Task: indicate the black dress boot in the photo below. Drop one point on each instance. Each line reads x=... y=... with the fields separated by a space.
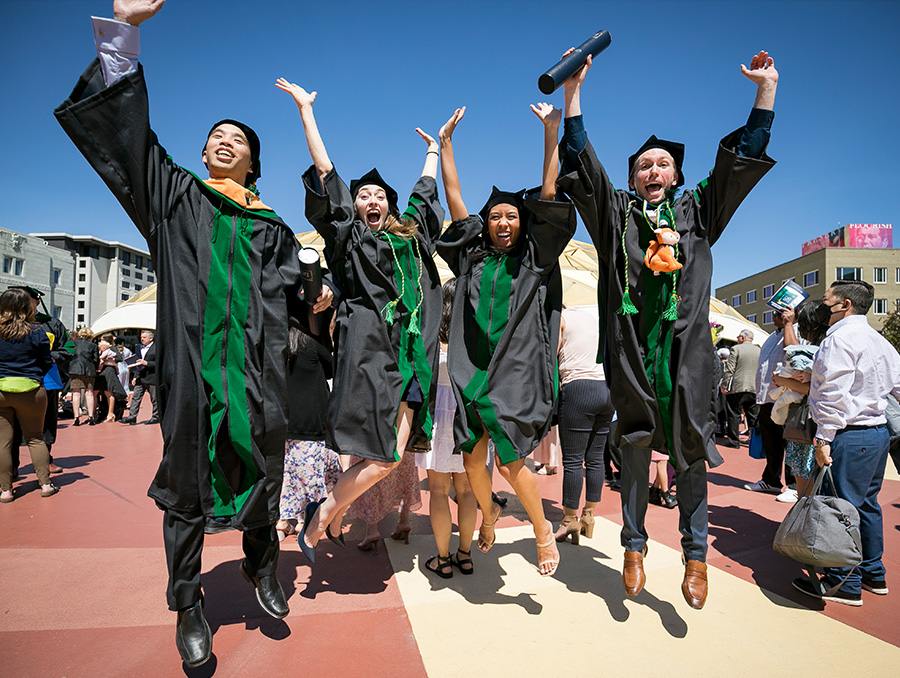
x=269 y=593
x=192 y=635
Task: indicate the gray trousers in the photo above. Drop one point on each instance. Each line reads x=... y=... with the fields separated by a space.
x=137 y=395
x=690 y=490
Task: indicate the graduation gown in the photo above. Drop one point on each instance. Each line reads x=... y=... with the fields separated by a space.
x=228 y=280
x=660 y=372
x=377 y=356
x=504 y=329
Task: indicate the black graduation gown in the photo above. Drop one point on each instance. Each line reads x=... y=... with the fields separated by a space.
x=370 y=375
x=504 y=329
x=228 y=280
x=700 y=217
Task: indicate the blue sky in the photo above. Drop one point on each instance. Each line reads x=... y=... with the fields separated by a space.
x=384 y=68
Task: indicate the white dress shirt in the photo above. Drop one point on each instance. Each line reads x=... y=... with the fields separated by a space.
x=118 y=47
x=854 y=371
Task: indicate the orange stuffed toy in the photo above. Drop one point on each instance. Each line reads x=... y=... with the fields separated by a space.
x=660 y=256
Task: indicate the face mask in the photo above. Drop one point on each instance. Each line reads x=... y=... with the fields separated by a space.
x=824 y=312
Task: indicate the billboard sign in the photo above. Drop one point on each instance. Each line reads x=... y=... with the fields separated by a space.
x=871 y=236
x=832 y=239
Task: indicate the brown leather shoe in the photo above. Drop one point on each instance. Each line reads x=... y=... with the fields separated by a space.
x=694 y=586
x=633 y=576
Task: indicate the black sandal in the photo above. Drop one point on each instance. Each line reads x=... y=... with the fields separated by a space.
x=442 y=564
x=464 y=565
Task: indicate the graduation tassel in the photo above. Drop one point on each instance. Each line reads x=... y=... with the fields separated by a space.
x=627 y=307
x=387 y=313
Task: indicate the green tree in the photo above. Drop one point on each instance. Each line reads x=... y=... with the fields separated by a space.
x=891 y=329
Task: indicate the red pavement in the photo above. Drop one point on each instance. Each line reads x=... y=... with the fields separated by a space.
x=83 y=592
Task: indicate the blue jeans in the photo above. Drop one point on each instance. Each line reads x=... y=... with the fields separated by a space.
x=690 y=490
x=858 y=459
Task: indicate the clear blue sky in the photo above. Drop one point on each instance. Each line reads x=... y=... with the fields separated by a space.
x=384 y=68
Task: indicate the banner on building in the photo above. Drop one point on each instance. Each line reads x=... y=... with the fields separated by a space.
x=832 y=239
x=871 y=236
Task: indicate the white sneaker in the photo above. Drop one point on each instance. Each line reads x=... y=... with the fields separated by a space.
x=789 y=496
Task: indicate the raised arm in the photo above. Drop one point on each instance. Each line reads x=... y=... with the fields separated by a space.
x=572 y=87
x=448 y=167
x=304 y=101
x=135 y=12
x=550 y=117
x=431 y=155
x=762 y=72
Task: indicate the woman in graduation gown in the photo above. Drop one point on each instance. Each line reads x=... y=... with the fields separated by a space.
x=386 y=335
x=504 y=329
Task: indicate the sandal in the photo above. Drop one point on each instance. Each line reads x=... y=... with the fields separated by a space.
x=483 y=544
x=464 y=565
x=284 y=531
x=444 y=567
x=553 y=560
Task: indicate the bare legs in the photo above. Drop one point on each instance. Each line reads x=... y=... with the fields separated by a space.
x=356 y=480
x=439 y=510
x=88 y=401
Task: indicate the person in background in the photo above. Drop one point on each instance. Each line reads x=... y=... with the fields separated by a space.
x=143 y=380
x=82 y=373
x=739 y=386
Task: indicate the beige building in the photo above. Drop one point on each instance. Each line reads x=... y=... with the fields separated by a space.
x=815 y=272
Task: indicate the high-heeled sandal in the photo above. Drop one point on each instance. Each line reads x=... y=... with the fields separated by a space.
x=338 y=540
x=369 y=544
x=401 y=535
x=569 y=527
x=464 y=565
x=554 y=554
x=442 y=565
x=587 y=522
x=284 y=532
x=483 y=544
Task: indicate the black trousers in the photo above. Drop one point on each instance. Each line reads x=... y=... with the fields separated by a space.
x=585 y=411
x=183 y=537
x=734 y=404
x=773 y=443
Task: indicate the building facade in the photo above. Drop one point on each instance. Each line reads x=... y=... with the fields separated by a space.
x=30 y=260
x=106 y=273
x=814 y=273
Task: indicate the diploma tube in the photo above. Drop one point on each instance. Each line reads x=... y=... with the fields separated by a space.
x=311 y=273
x=550 y=81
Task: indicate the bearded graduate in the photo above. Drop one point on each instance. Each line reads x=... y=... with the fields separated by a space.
x=659 y=355
x=504 y=329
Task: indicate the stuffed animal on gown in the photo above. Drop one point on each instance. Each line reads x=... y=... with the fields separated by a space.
x=660 y=255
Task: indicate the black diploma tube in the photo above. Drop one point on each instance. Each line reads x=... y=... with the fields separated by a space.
x=550 y=81
x=311 y=272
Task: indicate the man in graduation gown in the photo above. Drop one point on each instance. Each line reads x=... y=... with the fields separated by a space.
x=229 y=280
x=659 y=354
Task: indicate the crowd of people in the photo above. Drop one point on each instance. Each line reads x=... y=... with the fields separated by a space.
x=459 y=381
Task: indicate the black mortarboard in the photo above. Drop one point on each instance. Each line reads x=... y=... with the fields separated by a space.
x=675 y=149
x=499 y=197
x=373 y=178
x=252 y=139
x=33 y=293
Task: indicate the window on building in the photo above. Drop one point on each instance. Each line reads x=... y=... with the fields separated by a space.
x=811 y=278
x=897 y=279
x=124 y=297
x=13 y=266
x=126 y=272
x=880 y=306
x=736 y=300
x=57 y=311
x=150 y=278
x=752 y=317
x=150 y=265
x=126 y=258
x=751 y=296
x=80 y=304
x=82 y=263
x=848 y=274
x=879 y=275
x=94 y=252
x=82 y=277
x=138 y=276
x=126 y=285
x=80 y=290
x=138 y=261
x=767 y=318
x=57 y=275
x=80 y=317
x=768 y=291
x=138 y=288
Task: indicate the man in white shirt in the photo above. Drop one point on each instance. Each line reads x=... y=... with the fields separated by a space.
x=854 y=371
x=772 y=434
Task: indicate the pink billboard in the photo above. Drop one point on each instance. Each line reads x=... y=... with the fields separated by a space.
x=832 y=239
x=872 y=236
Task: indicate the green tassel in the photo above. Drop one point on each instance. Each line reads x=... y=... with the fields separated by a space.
x=627 y=308
x=388 y=312
x=414 y=329
x=671 y=312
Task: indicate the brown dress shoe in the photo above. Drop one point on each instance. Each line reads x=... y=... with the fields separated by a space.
x=694 y=586
x=633 y=572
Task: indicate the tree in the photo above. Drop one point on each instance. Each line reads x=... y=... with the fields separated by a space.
x=891 y=329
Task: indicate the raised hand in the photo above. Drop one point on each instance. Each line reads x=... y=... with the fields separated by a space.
x=548 y=115
x=577 y=79
x=302 y=98
x=446 y=131
x=135 y=12
x=432 y=144
x=762 y=69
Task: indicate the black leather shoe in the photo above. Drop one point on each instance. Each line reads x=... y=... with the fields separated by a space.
x=192 y=635
x=152 y=421
x=127 y=420
x=268 y=593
